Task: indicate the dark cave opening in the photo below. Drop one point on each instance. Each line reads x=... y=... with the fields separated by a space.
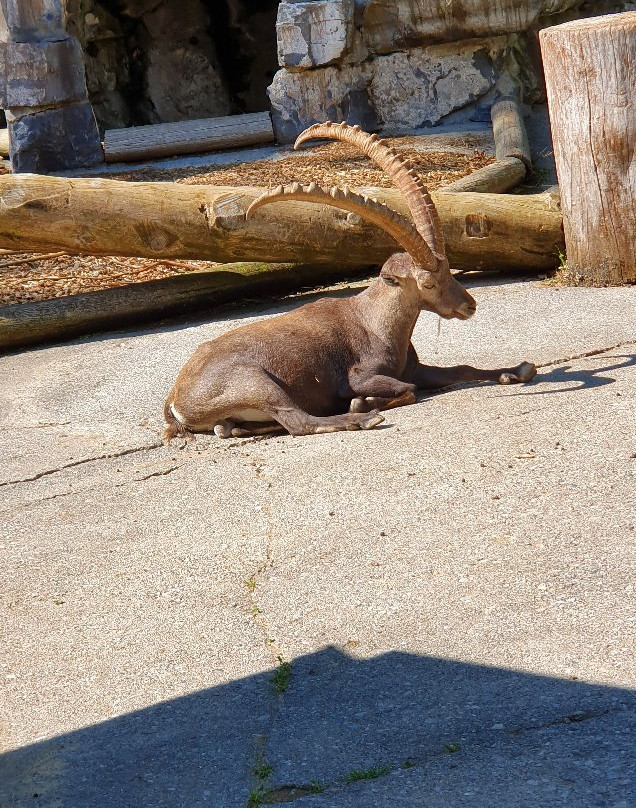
x=153 y=61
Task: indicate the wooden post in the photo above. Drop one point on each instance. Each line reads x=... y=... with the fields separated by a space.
x=509 y=131
x=590 y=71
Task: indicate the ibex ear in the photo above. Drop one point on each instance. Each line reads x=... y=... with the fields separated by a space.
x=396 y=267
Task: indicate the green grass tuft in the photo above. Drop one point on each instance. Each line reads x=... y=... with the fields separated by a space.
x=281 y=676
x=366 y=774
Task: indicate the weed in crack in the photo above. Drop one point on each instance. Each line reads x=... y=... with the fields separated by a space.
x=365 y=774
x=255 y=797
x=281 y=677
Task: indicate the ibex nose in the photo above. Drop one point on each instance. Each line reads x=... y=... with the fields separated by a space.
x=467 y=307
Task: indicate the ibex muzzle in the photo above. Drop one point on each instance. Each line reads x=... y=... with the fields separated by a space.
x=333 y=364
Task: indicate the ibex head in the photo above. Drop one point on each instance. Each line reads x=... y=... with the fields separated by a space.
x=422 y=271
x=436 y=291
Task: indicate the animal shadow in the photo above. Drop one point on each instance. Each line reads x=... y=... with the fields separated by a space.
x=564 y=375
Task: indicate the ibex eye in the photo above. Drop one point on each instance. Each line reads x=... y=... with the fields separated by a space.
x=390 y=281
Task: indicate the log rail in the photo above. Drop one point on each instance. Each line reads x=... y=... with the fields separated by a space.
x=172 y=220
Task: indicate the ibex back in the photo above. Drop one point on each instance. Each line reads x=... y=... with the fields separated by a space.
x=333 y=364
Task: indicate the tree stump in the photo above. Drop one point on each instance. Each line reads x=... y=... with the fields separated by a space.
x=590 y=71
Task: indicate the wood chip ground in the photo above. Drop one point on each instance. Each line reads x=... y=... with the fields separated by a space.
x=28 y=277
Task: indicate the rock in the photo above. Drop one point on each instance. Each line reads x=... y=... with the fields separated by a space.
x=313 y=34
x=180 y=46
x=301 y=99
x=38 y=74
x=33 y=20
x=55 y=139
x=400 y=91
x=202 y=92
x=423 y=85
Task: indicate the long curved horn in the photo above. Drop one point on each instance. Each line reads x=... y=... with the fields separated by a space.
x=401 y=173
x=393 y=223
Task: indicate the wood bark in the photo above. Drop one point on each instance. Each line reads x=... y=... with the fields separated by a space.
x=509 y=131
x=496 y=178
x=32 y=323
x=590 y=70
x=187 y=137
x=172 y=220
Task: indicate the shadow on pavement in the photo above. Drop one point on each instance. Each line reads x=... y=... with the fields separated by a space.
x=440 y=733
x=566 y=374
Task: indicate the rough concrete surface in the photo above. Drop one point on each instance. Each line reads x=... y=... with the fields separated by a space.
x=453 y=590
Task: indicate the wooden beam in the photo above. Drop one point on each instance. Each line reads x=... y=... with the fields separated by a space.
x=173 y=220
x=187 y=137
x=511 y=138
x=4 y=142
x=496 y=178
x=48 y=320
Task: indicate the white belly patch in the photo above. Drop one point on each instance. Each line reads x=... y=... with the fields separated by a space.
x=177 y=415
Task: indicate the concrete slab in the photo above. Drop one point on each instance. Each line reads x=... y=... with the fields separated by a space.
x=462 y=577
x=104 y=395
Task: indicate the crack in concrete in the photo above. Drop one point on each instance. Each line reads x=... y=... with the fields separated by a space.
x=108 y=456
x=573 y=718
x=162 y=473
x=244 y=442
x=596 y=352
x=287 y=792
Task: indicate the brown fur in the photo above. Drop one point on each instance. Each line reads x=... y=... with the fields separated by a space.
x=315 y=369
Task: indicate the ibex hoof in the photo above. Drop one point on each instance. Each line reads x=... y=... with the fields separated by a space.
x=522 y=373
x=371 y=419
x=224 y=429
x=358 y=405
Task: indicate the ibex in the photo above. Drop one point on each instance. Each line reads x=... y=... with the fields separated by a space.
x=333 y=364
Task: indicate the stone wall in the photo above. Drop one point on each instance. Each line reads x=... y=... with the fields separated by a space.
x=43 y=89
x=402 y=64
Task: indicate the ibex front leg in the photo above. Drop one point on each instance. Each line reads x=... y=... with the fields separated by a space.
x=428 y=377
x=375 y=391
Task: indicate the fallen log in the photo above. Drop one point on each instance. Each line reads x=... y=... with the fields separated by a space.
x=172 y=220
x=50 y=320
x=509 y=131
x=187 y=137
x=496 y=178
x=511 y=150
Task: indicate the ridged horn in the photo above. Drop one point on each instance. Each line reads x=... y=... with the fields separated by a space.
x=376 y=212
x=402 y=175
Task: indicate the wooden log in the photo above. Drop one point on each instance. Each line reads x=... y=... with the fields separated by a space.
x=4 y=142
x=509 y=130
x=33 y=323
x=187 y=137
x=590 y=71
x=173 y=220
x=496 y=178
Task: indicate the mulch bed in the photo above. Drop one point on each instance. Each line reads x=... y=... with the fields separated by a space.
x=26 y=277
